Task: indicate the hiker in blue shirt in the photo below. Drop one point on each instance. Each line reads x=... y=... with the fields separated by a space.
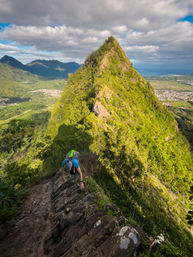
x=71 y=165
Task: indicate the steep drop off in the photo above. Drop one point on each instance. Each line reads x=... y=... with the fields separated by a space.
x=144 y=165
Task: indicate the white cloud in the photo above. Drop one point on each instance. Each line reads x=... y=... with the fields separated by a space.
x=148 y=30
x=94 y=13
x=7 y=47
x=89 y=40
x=120 y=29
x=116 y=5
x=68 y=42
x=143 y=22
x=143 y=49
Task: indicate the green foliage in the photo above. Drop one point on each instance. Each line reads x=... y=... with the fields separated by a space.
x=21 y=98
x=168 y=250
x=144 y=165
x=182 y=110
x=19 y=176
x=14 y=74
x=169 y=85
x=69 y=137
x=18 y=133
x=101 y=198
x=6 y=196
x=135 y=137
x=22 y=142
x=184 y=117
x=189 y=216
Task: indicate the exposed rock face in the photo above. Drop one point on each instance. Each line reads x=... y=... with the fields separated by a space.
x=100 y=110
x=60 y=220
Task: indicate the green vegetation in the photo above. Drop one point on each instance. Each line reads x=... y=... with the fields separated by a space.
x=23 y=123
x=107 y=108
x=181 y=110
x=184 y=117
x=183 y=79
x=145 y=165
x=99 y=194
x=6 y=199
x=50 y=69
x=20 y=91
x=189 y=216
x=20 y=143
x=14 y=74
x=170 y=85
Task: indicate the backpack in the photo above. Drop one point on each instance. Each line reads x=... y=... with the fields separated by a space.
x=68 y=166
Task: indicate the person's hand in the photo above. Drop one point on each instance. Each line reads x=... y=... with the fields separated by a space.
x=81 y=185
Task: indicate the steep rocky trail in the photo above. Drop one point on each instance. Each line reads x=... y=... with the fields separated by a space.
x=57 y=219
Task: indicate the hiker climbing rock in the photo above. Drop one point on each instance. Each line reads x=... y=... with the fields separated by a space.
x=71 y=166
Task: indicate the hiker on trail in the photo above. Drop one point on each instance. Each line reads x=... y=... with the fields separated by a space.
x=71 y=166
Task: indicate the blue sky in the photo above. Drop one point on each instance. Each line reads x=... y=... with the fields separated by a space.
x=3 y=26
x=188 y=18
x=156 y=35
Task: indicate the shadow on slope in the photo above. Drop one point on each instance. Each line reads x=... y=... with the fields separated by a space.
x=139 y=201
x=68 y=137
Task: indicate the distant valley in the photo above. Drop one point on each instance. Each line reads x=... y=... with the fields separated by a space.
x=22 y=93
x=171 y=89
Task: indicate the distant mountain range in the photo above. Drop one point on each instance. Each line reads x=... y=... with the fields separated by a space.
x=51 y=69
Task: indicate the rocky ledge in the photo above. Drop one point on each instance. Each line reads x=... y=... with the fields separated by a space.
x=58 y=219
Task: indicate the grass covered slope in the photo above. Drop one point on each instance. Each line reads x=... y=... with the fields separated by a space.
x=176 y=92
x=8 y=72
x=129 y=115
x=22 y=93
x=107 y=108
x=25 y=104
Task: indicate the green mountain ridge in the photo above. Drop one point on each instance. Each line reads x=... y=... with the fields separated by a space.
x=51 y=69
x=132 y=153
x=144 y=165
x=16 y=74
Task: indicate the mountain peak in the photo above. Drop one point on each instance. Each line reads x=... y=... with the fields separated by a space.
x=12 y=62
x=109 y=110
x=8 y=58
x=110 y=49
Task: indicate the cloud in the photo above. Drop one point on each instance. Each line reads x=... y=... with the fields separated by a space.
x=148 y=30
x=7 y=47
x=155 y=45
x=66 y=40
x=94 y=14
x=120 y=29
x=146 y=49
